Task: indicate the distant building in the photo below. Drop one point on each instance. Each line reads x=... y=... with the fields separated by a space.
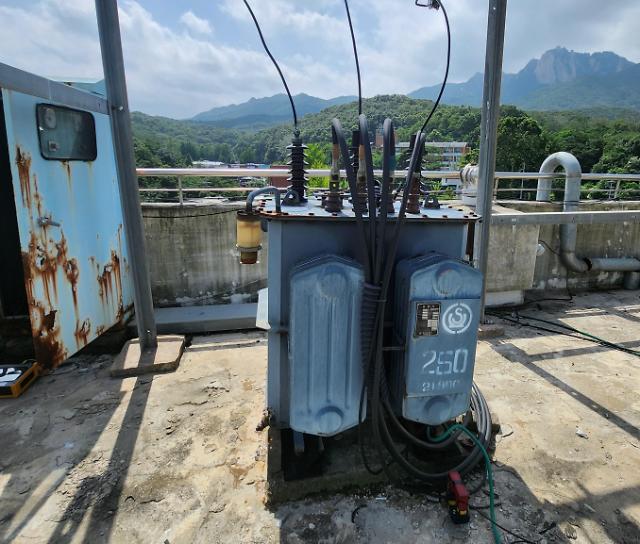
x=279 y=181
x=379 y=141
x=447 y=154
x=209 y=164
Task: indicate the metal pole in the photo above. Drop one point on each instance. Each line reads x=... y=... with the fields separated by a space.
x=488 y=132
x=113 y=65
x=180 y=195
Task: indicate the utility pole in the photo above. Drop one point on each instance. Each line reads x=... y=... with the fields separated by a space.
x=113 y=65
x=488 y=132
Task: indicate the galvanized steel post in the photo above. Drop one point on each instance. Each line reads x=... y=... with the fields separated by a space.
x=488 y=132
x=113 y=65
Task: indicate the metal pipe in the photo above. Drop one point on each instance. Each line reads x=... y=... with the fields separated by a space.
x=180 y=194
x=614 y=264
x=572 y=171
x=569 y=231
x=113 y=65
x=488 y=132
x=264 y=190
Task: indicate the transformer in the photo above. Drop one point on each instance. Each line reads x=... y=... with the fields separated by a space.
x=315 y=290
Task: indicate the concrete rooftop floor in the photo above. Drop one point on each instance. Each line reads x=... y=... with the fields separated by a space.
x=176 y=457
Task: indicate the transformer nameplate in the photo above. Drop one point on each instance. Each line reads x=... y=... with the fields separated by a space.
x=427 y=319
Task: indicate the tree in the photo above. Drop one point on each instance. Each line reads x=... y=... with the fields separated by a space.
x=318 y=157
x=522 y=144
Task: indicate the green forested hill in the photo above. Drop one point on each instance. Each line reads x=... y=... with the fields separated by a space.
x=601 y=138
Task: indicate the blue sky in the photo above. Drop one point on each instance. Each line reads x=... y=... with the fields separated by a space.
x=186 y=57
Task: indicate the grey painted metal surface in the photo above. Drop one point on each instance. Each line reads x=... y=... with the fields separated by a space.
x=314 y=211
x=69 y=217
x=113 y=63
x=489 y=128
x=14 y=79
x=436 y=317
x=560 y=218
x=292 y=242
x=325 y=361
x=569 y=231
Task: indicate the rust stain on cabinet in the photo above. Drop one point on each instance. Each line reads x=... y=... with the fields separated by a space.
x=44 y=258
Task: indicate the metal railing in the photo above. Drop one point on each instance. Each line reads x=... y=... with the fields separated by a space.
x=180 y=173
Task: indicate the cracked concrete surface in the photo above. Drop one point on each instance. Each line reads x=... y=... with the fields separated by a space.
x=177 y=458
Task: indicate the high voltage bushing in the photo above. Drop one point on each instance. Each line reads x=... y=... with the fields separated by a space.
x=297 y=179
x=333 y=199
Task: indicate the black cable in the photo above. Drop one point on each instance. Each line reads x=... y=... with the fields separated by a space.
x=566 y=330
x=355 y=54
x=338 y=136
x=519 y=537
x=437 y=4
x=275 y=63
x=588 y=336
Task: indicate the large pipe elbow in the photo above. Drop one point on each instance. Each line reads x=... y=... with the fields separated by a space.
x=568 y=232
x=573 y=263
x=573 y=173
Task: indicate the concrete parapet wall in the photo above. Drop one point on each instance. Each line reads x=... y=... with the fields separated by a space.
x=597 y=240
x=193 y=260
x=192 y=256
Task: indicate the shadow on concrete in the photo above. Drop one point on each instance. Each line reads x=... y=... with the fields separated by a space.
x=111 y=480
x=516 y=355
x=41 y=459
x=574 y=352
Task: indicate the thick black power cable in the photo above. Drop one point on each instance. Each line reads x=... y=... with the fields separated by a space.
x=371 y=190
x=437 y=4
x=338 y=137
x=355 y=55
x=381 y=408
x=275 y=63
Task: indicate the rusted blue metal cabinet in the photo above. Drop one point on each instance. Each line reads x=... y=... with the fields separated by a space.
x=61 y=171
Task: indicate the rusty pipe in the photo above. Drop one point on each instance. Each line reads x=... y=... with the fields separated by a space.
x=264 y=190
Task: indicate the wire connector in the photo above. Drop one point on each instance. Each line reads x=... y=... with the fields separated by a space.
x=431 y=4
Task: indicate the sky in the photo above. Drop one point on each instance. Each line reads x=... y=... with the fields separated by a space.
x=184 y=57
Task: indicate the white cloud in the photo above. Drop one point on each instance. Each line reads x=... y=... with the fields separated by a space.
x=177 y=69
x=195 y=24
x=168 y=72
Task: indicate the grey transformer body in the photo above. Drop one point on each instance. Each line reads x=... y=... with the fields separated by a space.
x=315 y=289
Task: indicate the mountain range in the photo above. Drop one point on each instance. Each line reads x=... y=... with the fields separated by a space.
x=559 y=80
x=260 y=112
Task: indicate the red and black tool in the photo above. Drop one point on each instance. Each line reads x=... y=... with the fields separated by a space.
x=457 y=498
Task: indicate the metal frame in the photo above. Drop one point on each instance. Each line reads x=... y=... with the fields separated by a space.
x=18 y=80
